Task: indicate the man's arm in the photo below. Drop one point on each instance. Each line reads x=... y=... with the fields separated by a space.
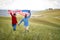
x=11 y=14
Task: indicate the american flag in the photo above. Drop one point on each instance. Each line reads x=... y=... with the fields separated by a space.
x=21 y=12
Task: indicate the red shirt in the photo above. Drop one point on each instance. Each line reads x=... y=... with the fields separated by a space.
x=14 y=19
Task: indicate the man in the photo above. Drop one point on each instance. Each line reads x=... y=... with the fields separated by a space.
x=14 y=21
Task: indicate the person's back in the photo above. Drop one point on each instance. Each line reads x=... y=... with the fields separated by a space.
x=26 y=23
x=14 y=19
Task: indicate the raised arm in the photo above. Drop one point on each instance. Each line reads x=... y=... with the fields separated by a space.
x=29 y=14
x=11 y=14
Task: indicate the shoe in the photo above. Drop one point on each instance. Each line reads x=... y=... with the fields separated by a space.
x=14 y=29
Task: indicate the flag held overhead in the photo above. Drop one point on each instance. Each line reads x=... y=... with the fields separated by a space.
x=21 y=12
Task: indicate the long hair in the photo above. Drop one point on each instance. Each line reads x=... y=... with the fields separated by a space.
x=25 y=15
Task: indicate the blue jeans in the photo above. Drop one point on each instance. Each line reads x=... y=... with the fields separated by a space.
x=14 y=26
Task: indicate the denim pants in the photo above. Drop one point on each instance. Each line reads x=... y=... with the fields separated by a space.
x=14 y=26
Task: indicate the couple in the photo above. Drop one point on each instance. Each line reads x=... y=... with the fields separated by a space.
x=14 y=21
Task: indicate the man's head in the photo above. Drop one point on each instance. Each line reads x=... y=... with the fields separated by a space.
x=14 y=14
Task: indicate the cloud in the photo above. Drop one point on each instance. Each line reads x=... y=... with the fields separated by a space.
x=30 y=4
x=55 y=3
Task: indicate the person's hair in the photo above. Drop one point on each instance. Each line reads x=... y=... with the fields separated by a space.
x=14 y=14
x=25 y=15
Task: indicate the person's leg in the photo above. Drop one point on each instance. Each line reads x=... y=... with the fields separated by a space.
x=14 y=27
x=26 y=28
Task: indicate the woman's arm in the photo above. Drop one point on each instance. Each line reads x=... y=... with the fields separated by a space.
x=20 y=22
x=29 y=14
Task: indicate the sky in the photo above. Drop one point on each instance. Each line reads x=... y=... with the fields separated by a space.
x=4 y=13
x=29 y=4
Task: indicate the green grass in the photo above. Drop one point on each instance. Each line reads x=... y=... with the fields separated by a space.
x=42 y=28
x=39 y=30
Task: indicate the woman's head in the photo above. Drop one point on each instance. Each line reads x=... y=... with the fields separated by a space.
x=25 y=15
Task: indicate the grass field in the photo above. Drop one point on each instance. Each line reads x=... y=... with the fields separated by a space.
x=41 y=28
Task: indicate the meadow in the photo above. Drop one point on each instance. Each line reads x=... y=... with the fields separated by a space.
x=46 y=27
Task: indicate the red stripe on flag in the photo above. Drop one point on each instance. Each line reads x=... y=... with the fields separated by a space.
x=19 y=11
x=11 y=11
